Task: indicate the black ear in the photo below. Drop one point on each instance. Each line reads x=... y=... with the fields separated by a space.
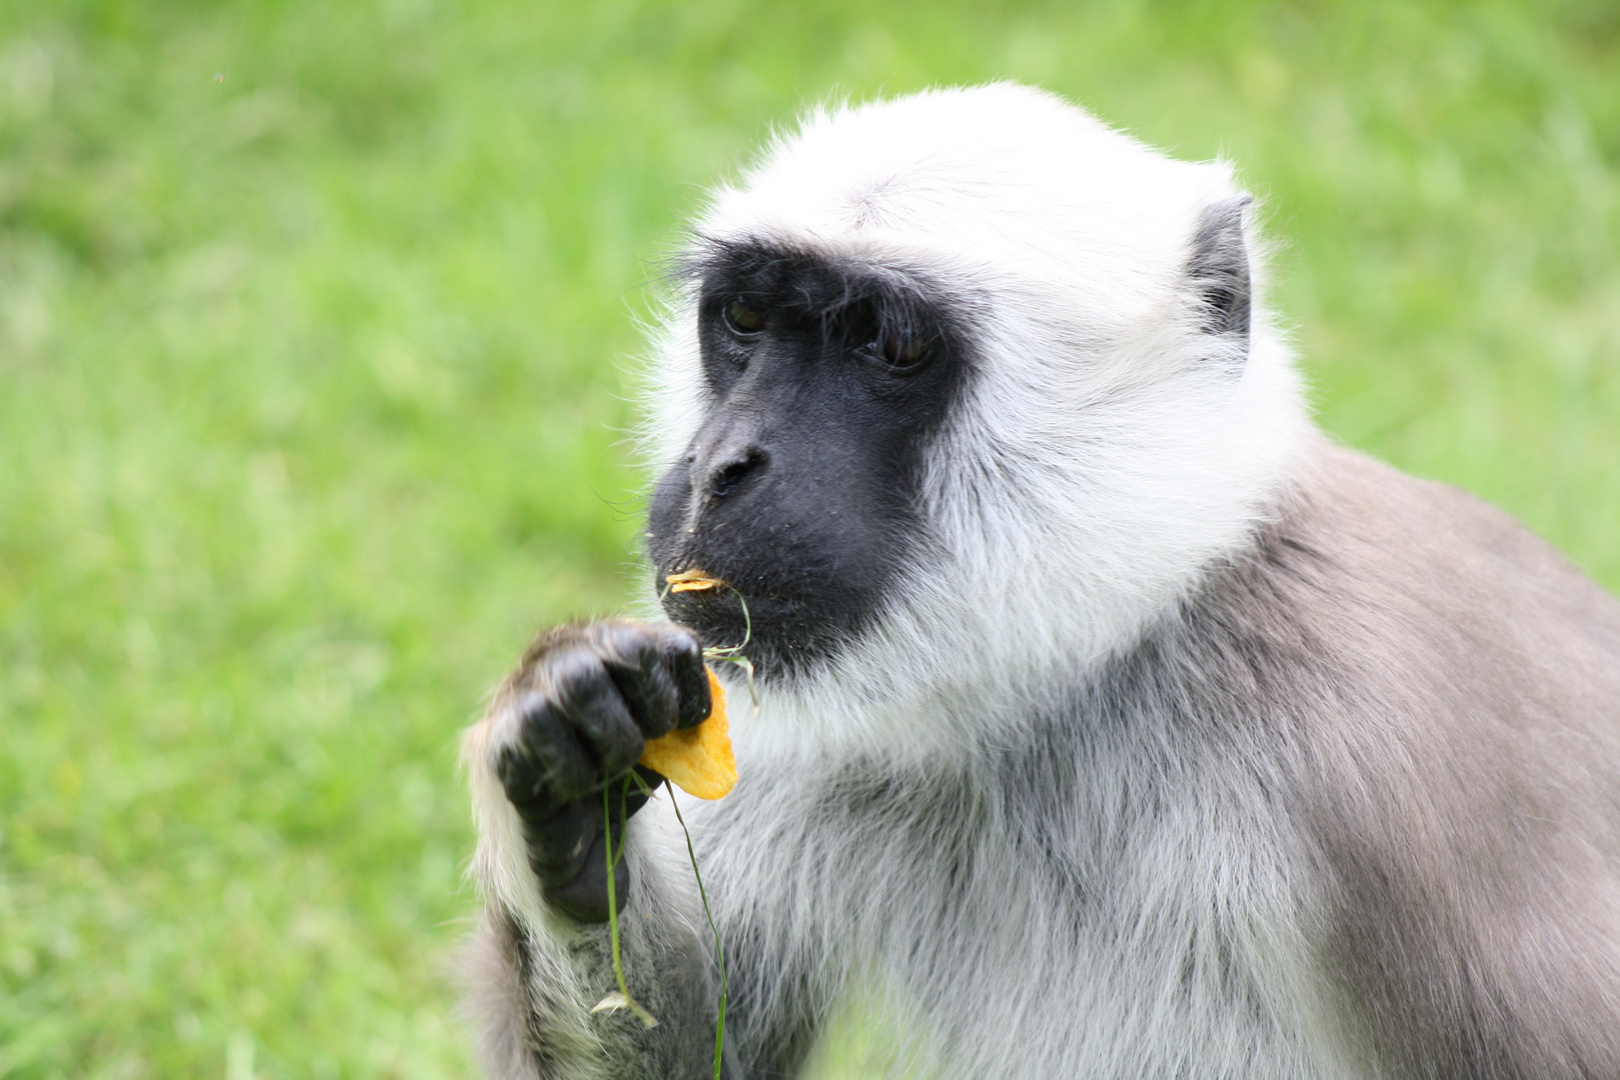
x=1219 y=268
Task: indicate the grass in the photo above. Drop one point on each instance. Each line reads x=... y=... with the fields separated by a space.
x=315 y=325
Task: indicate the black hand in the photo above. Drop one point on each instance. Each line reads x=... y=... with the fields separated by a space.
x=585 y=700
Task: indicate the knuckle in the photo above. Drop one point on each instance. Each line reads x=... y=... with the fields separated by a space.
x=621 y=637
x=539 y=724
x=523 y=777
x=579 y=709
x=539 y=760
x=681 y=643
x=570 y=673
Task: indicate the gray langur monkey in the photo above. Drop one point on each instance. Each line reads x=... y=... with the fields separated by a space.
x=1113 y=722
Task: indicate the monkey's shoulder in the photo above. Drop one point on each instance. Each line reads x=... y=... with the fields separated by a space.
x=1433 y=695
x=1380 y=569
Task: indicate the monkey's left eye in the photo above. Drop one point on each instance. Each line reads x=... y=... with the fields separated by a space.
x=901 y=355
x=743 y=320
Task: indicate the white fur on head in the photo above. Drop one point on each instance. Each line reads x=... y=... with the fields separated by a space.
x=1108 y=450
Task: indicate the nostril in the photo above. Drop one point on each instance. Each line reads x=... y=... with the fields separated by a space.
x=727 y=477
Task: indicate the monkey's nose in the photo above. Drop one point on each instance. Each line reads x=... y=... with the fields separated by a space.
x=728 y=471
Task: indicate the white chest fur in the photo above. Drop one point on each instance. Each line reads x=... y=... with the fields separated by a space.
x=1104 y=941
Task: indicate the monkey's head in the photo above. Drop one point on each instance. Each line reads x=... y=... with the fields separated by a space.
x=957 y=384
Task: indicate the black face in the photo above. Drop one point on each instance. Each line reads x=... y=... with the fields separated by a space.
x=828 y=379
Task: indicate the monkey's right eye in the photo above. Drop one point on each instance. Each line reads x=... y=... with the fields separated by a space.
x=743 y=320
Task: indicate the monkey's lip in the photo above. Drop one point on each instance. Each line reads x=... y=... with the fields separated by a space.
x=693 y=581
x=720 y=595
x=724 y=615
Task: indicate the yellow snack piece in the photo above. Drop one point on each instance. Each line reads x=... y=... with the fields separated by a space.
x=697 y=760
x=692 y=581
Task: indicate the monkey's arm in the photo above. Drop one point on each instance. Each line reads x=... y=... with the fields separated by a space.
x=571 y=719
x=535 y=973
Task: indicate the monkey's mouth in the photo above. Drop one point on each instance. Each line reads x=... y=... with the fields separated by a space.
x=766 y=624
x=721 y=619
x=723 y=615
x=692 y=581
x=779 y=599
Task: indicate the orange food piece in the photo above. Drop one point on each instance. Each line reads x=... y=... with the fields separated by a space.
x=698 y=760
x=692 y=581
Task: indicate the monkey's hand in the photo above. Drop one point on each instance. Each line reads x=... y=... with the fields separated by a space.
x=569 y=724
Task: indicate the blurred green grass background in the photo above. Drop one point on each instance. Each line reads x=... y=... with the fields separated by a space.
x=317 y=324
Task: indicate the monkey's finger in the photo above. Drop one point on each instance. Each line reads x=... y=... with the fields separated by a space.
x=678 y=655
x=685 y=660
x=636 y=656
x=649 y=776
x=590 y=701
x=545 y=764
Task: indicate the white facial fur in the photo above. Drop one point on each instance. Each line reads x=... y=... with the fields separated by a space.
x=1106 y=453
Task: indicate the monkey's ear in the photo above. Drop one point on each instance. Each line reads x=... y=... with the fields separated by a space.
x=1218 y=268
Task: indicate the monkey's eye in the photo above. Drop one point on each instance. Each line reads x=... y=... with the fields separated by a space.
x=743 y=320
x=901 y=355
